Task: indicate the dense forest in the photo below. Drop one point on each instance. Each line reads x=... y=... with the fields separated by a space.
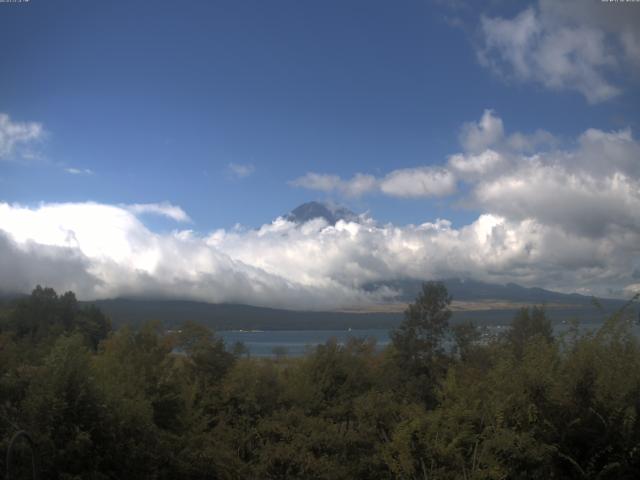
x=154 y=404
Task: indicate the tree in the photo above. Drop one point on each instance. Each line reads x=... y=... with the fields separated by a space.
x=528 y=324
x=465 y=336
x=426 y=321
x=63 y=412
x=93 y=324
x=44 y=315
x=418 y=341
x=208 y=358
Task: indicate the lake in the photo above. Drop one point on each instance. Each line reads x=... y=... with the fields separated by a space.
x=298 y=342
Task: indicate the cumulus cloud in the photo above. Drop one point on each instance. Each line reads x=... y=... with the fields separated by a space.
x=574 y=207
x=574 y=201
x=27 y=264
x=591 y=189
x=486 y=149
x=564 y=218
x=406 y=182
x=476 y=137
x=572 y=45
x=15 y=137
x=104 y=251
x=241 y=170
x=602 y=153
x=472 y=166
x=489 y=133
x=164 y=209
x=620 y=21
x=419 y=182
x=358 y=185
x=319 y=181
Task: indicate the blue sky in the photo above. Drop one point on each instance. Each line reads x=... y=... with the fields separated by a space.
x=158 y=99
x=224 y=108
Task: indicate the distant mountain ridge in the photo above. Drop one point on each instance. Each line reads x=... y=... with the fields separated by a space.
x=311 y=210
x=172 y=313
x=474 y=290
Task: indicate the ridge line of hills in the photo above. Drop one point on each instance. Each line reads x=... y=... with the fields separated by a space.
x=482 y=303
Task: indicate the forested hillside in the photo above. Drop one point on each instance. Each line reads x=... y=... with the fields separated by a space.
x=122 y=404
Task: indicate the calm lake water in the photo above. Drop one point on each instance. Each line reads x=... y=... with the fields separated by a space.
x=298 y=342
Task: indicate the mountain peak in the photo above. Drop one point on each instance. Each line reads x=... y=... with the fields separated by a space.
x=310 y=210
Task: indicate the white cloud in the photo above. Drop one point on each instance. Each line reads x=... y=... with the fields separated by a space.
x=558 y=45
x=574 y=201
x=318 y=181
x=528 y=143
x=602 y=153
x=358 y=185
x=486 y=148
x=165 y=209
x=632 y=289
x=419 y=182
x=592 y=189
x=241 y=170
x=26 y=264
x=476 y=137
x=407 y=182
x=472 y=166
x=575 y=208
x=618 y=21
x=105 y=251
x=15 y=136
x=78 y=171
x=488 y=135
x=560 y=218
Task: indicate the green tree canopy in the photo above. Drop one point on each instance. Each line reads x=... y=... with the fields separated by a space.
x=418 y=341
x=527 y=325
